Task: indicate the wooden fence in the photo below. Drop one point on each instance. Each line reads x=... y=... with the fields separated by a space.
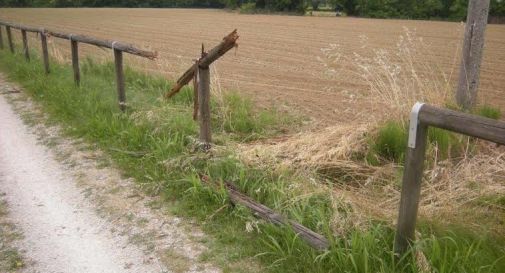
x=75 y=39
x=423 y=116
x=199 y=72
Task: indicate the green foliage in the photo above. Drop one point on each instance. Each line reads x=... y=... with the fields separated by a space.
x=162 y=131
x=248 y=8
x=489 y=112
x=415 y=9
x=389 y=143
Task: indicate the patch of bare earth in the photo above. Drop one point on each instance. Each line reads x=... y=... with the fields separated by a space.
x=76 y=212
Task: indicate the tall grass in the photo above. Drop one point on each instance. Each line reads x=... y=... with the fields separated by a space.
x=163 y=132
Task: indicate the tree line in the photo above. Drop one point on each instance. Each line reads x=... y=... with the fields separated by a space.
x=412 y=9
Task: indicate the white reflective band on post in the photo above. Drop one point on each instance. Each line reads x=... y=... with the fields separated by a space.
x=414 y=120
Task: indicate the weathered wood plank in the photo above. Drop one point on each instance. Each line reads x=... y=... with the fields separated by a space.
x=75 y=61
x=411 y=190
x=104 y=43
x=195 y=97
x=26 y=50
x=312 y=238
x=463 y=123
x=45 y=53
x=20 y=27
x=204 y=105
x=9 y=38
x=88 y=40
x=229 y=42
x=1 y=38
x=120 y=83
x=473 y=45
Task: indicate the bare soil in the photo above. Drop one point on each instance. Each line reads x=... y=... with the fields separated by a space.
x=276 y=62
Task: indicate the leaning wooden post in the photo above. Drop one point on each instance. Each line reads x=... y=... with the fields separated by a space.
x=9 y=38
x=26 y=50
x=1 y=38
x=204 y=103
x=118 y=60
x=45 y=53
x=473 y=44
x=411 y=185
x=75 y=61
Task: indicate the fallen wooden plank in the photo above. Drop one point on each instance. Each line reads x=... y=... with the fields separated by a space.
x=229 y=42
x=312 y=238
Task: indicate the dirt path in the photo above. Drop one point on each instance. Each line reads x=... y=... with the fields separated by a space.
x=78 y=217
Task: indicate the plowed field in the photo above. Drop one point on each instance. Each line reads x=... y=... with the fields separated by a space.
x=277 y=60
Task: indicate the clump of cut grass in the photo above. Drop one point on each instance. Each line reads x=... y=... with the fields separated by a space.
x=488 y=111
x=162 y=132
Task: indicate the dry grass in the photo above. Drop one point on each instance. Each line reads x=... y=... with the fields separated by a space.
x=396 y=80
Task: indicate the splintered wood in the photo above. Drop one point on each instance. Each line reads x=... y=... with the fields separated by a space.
x=229 y=42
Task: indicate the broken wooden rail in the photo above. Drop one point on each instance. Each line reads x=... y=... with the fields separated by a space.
x=315 y=240
x=421 y=117
x=199 y=72
x=117 y=47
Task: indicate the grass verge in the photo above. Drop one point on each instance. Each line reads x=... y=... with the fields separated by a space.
x=163 y=133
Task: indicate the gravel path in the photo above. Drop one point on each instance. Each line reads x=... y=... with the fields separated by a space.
x=78 y=217
x=62 y=233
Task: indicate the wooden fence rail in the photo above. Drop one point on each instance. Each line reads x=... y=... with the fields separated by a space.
x=117 y=47
x=421 y=118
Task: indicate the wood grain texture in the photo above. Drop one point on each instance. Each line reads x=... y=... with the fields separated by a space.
x=411 y=190
x=312 y=238
x=473 y=46
x=104 y=43
x=45 y=53
x=26 y=50
x=204 y=105
x=9 y=38
x=74 y=45
x=120 y=83
x=463 y=123
x=1 y=38
x=228 y=42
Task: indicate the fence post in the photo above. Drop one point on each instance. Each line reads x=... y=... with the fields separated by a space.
x=204 y=105
x=118 y=60
x=9 y=38
x=26 y=50
x=1 y=38
x=45 y=53
x=473 y=44
x=411 y=184
x=75 y=61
